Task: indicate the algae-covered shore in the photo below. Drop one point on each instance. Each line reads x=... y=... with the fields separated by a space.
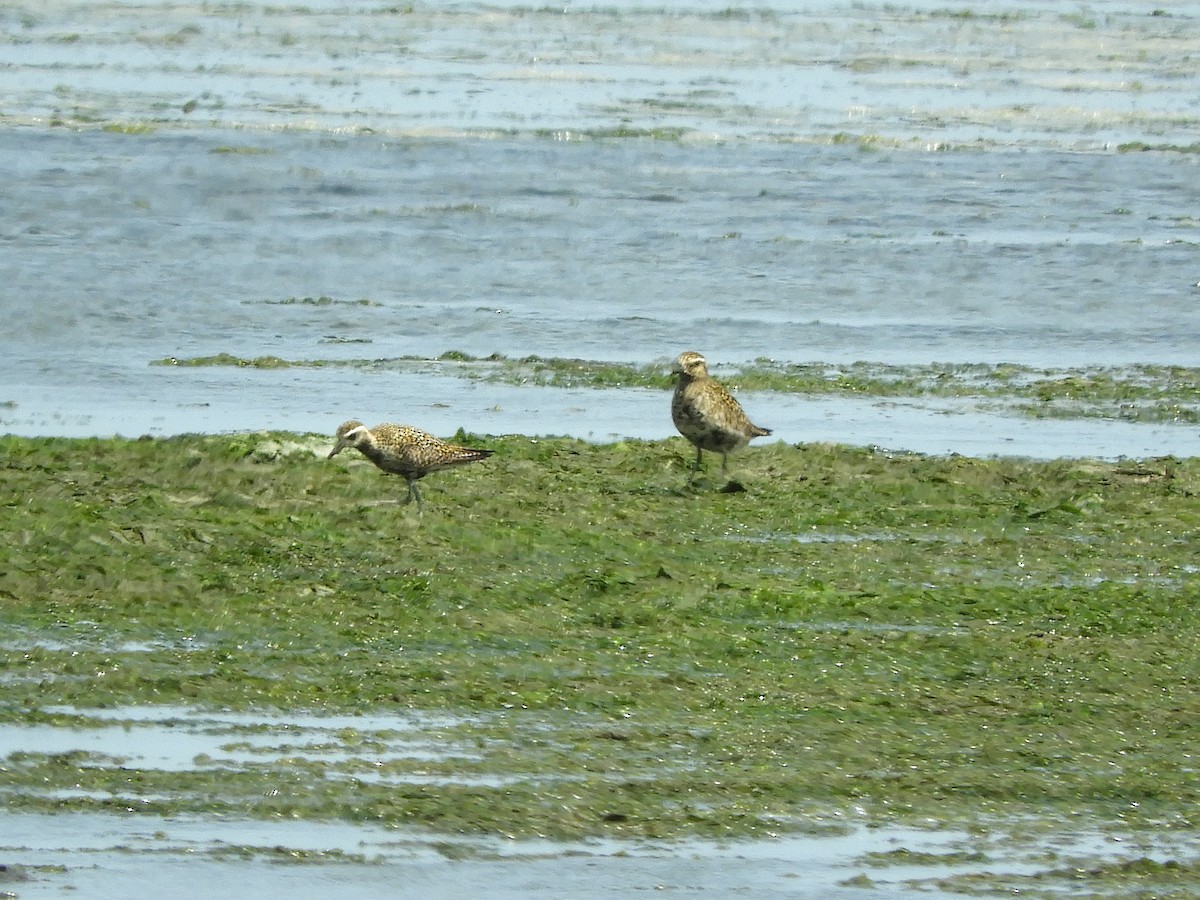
x=903 y=638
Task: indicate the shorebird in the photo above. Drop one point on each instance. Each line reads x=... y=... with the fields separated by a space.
x=706 y=413
x=404 y=450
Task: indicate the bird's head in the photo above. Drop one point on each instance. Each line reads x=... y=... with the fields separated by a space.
x=690 y=364
x=349 y=434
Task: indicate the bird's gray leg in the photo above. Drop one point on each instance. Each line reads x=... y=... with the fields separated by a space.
x=696 y=467
x=414 y=492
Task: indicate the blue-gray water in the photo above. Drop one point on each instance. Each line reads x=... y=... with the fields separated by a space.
x=808 y=183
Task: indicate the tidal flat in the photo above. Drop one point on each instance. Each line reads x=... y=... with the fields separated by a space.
x=573 y=644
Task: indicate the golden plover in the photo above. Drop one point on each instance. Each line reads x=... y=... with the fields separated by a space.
x=706 y=413
x=404 y=450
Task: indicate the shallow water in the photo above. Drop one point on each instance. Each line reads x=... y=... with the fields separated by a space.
x=104 y=855
x=178 y=740
x=463 y=177
x=101 y=855
x=309 y=401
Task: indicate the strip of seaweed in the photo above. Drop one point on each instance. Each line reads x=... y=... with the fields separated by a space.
x=1144 y=393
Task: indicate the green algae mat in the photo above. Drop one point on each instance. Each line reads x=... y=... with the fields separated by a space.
x=837 y=630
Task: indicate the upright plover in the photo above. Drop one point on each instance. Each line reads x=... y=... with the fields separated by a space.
x=404 y=450
x=706 y=413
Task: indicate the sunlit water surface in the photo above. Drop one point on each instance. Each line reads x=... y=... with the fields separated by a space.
x=619 y=181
